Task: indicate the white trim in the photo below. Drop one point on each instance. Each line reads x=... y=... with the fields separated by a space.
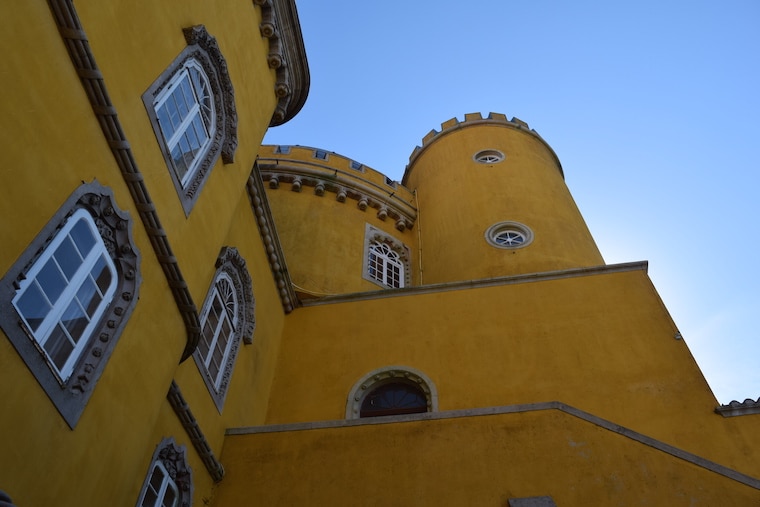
x=201 y=91
x=54 y=316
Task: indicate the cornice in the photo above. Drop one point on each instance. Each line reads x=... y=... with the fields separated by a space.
x=268 y=232
x=471 y=120
x=78 y=46
x=747 y=407
x=287 y=55
x=344 y=185
x=477 y=284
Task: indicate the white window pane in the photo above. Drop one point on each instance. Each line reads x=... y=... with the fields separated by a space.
x=51 y=281
x=59 y=347
x=82 y=235
x=68 y=258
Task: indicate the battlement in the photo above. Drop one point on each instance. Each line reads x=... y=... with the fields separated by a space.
x=473 y=119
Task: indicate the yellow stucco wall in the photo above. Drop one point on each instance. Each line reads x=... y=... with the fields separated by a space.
x=319 y=233
x=459 y=199
x=53 y=145
x=601 y=342
x=484 y=460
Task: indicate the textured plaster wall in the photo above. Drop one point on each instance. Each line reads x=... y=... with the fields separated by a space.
x=602 y=343
x=483 y=460
x=53 y=143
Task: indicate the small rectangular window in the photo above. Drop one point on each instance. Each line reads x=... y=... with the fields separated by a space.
x=356 y=166
x=283 y=149
x=320 y=154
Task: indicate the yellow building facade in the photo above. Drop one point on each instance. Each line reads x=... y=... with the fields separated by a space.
x=191 y=318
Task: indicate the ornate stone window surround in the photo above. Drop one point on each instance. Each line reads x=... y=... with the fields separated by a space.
x=372 y=236
x=230 y=266
x=203 y=51
x=70 y=395
x=384 y=375
x=171 y=459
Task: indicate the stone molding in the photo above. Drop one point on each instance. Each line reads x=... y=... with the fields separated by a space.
x=76 y=42
x=268 y=232
x=733 y=409
x=226 y=115
x=344 y=185
x=610 y=426
x=474 y=284
x=174 y=460
x=375 y=235
x=231 y=263
x=287 y=56
x=115 y=228
x=386 y=374
x=470 y=120
x=193 y=430
x=203 y=49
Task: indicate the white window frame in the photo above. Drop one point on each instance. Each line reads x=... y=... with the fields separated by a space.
x=54 y=317
x=391 y=256
x=384 y=265
x=229 y=315
x=166 y=485
x=201 y=107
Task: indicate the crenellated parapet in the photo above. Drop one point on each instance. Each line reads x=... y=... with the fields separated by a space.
x=286 y=55
x=473 y=119
x=329 y=173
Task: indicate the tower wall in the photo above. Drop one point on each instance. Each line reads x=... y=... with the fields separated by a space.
x=459 y=199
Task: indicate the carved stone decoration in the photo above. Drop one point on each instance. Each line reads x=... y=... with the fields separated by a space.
x=174 y=460
x=232 y=264
x=197 y=35
x=384 y=375
x=279 y=25
x=193 y=430
x=71 y=396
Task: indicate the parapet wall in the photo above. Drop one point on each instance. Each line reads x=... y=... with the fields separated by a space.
x=472 y=119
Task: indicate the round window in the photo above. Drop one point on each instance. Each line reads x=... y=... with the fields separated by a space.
x=509 y=235
x=488 y=157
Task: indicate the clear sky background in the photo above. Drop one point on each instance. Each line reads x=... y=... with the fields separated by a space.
x=652 y=107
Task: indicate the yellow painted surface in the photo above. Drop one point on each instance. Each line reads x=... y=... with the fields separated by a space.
x=459 y=199
x=483 y=460
x=602 y=343
x=52 y=145
x=318 y=233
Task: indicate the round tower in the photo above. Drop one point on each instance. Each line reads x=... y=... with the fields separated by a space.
x=343 y=226
x=492 y=201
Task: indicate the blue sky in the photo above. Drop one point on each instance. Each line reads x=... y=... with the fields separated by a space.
x=652 y=108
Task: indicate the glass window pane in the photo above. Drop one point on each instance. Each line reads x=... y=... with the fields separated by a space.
x=102 y=274
x=200 y=129
x=33 y=306
x=75 y=320
x=170 y=498
x=58 y=347
x=89 y=297
x=166 y=125
x=51 y=281
x=82 y=236
x=68 y=258
x=172 y=112
x=187 y=96
x=179 y=162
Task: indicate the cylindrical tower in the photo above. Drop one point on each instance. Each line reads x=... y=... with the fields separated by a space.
x=492 y=201
x=343 y=226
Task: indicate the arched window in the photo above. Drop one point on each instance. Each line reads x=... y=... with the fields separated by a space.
x=66 y=300
x=392 y=390
x=185 y=112
x=219 y=324
x=227 y=318
x=169 y=482
x=386 y=259
x=394 y=398
x=191 y=106
x=385 y=266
